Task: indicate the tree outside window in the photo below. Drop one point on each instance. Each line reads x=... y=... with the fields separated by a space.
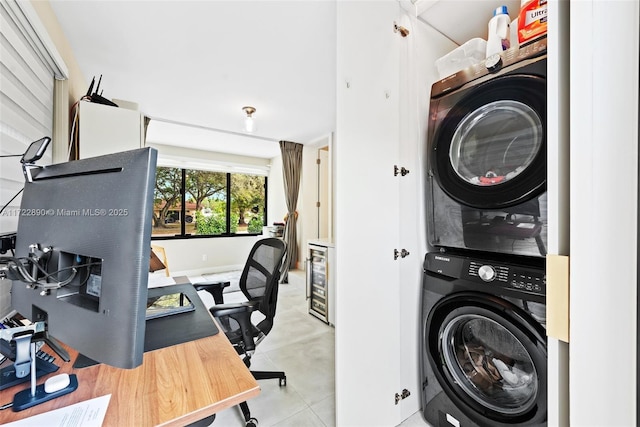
x=194 y=202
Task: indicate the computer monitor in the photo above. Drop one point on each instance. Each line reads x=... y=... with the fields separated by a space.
x=86 y=225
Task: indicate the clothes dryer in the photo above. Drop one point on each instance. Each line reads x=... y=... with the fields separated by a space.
x=486 y=153
x=483 y=343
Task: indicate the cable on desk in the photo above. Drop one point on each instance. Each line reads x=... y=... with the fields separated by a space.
x=6 y=406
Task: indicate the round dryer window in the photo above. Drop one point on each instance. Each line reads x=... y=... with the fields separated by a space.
x=496 y=142
x=489 y=151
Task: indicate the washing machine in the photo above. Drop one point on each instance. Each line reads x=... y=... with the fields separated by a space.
x=483 y=342
x=486 y=155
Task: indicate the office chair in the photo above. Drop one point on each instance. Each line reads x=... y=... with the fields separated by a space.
x=259 y=284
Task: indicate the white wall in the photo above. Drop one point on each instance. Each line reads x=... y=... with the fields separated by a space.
x=308 y=219
x=604 y=216
x=206 y=255
x=276 y=205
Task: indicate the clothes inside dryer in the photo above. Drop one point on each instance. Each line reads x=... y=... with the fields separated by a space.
x=496 y=142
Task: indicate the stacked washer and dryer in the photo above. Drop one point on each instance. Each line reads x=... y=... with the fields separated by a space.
x=483 y=350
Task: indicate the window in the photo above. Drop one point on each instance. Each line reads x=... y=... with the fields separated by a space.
x=201 y=203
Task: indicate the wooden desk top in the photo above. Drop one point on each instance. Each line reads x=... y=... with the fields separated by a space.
x=174 y=386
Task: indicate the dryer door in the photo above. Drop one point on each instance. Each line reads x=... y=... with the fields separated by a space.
x=489 y=358
x=490 y=149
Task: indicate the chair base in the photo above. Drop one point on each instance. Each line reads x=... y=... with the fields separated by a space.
x=269 y=375
x=205 y=422
x=250 y=422
x=261 y=375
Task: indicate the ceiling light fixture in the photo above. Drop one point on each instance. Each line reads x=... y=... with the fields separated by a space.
x=249 y=123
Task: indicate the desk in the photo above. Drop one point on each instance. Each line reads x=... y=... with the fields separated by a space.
x=174 y=386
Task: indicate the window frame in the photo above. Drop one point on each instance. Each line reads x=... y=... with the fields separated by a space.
x=183 y=210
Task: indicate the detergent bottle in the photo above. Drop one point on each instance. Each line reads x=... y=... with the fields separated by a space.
x=532 y=21
x=499 y=33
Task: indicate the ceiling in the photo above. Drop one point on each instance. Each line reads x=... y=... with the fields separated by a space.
x=462 y=20
x=192 y=65
x=199 y=62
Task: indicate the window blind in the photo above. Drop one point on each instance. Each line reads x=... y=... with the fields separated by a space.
x=29 y=63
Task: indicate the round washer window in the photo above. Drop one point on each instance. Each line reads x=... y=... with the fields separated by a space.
x=496 y=142
x=490 y=364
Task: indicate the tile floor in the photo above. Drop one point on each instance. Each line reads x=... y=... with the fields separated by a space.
x=303 y=347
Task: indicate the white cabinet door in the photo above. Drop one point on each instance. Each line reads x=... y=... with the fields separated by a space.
x=383 y=85
x=418 y=53
x=367 y=208
x=105 y=129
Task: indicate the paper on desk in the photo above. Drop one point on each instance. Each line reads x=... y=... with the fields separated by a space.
x=89 y=413
x=157 y=280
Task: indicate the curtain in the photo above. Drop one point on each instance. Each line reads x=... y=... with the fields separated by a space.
x=291 y=171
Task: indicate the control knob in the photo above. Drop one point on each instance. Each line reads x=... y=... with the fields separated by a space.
x=487 y=273
x=493 y=63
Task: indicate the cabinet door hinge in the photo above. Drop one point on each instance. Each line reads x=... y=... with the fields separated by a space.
x=400 y=253
x=405 y=393
x=402 y=171
x=400 y=29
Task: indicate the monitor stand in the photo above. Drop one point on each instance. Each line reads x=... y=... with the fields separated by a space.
x=83 y=361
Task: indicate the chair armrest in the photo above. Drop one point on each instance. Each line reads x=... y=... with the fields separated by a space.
x=234 y=308
x=241 y=313
x=214 y=288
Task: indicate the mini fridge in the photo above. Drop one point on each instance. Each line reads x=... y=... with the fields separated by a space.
x=321 y=280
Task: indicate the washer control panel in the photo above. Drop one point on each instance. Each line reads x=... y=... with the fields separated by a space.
x=507 y=276
x=526 y=277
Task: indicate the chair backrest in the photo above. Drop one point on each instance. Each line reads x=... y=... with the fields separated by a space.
x=260 y=277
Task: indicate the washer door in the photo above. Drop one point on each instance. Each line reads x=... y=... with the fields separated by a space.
x=489 y=357
x=490 y=149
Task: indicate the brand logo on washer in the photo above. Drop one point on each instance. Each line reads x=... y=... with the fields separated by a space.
x=442 y=258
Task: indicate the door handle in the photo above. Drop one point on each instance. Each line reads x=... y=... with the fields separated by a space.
x=308 y=284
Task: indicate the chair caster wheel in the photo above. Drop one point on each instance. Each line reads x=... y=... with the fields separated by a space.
x=252 y=423
x=283 y=382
